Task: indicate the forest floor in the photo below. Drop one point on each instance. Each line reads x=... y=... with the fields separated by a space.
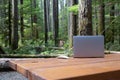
x=11 y=75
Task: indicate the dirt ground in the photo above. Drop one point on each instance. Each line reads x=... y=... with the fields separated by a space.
x=11 y=75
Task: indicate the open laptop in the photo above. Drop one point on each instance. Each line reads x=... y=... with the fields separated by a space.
x=88 y=46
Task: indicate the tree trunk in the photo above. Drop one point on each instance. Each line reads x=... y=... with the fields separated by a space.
x=48 y=14
x=21 y=19
x=32 y=33
x=85 y=17
x=51 y=18
x=75 y=19
x=69 y=19
x=73 y=22
x=101 y=18
x=95 y=17
x=56 y=22
x=14 y=40
x=112 y=17
x=9 y=22
x=45 y=23
x=35 y=30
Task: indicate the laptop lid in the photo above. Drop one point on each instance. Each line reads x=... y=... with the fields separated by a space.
x=88 y=46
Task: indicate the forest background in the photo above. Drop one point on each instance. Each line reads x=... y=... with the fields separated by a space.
x=46 y=27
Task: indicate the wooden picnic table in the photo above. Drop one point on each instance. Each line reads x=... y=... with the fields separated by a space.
x=107 y=68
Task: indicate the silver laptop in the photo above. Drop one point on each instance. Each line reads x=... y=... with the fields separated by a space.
x=88 y=46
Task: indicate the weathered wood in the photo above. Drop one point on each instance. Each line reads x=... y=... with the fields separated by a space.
x=72 y=68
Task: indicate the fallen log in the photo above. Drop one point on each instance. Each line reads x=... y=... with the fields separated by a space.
x=3 y=64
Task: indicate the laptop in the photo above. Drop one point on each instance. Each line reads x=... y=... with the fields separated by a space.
x=88 y=46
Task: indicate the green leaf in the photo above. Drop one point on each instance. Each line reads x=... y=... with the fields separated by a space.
x=74 y=9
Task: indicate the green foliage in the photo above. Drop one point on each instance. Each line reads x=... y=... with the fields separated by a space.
x=63 y=23
x=55 y=51
x=29 y=47
x=113 y=46
x=74 y=9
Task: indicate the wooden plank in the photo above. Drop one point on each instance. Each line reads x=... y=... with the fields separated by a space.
x=57 y=62
x=71 y=73
x=24 y=66
x=72 y=68
x=12 y=65
x=67 y=72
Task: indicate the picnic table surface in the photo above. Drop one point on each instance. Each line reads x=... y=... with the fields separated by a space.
x=107 y=68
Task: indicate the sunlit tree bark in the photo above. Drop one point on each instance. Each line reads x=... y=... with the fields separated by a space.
x=101 y=18
x=85 y=17
x=73 y=22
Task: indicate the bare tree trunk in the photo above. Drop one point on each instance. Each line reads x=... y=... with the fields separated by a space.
x=21 y=19
x=34 y=20
x=56 y=22
x=96 y=17
x=48 y=14
x=112 y=17
x=68 y=5
x=15 y=39
x=85 y=17
x=51 y=17
x=101 y=18
x=45 y=23
x=9 y=21
x=35 y=30
x=32 y=33
x=73 y=22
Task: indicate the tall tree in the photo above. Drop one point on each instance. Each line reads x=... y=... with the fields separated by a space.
x=112 y=17
x=85 y=17
x=35 y=30
x=14 y=43
x=101 y=18
x=34 y=19
x=55 y=21
x=9 y=21
x=51 y=16
x=48 y=14
x=45 y=22
x=21 y=19
x=73 y=22
x=31 y=17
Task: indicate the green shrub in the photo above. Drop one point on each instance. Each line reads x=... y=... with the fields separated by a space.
x=74 y=9
x=113 y=46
